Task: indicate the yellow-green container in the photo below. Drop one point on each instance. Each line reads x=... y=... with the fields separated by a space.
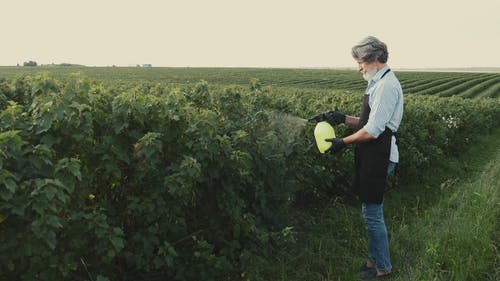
x=322 y=131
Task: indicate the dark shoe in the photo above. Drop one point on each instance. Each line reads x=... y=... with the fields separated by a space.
x=363 y=267
x=371 y=274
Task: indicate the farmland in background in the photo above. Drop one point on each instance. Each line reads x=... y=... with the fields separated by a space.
x=463 y=84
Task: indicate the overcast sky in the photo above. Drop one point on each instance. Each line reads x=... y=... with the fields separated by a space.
x=256 y=33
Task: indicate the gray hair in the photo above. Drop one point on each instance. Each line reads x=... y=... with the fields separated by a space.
x=369 y=50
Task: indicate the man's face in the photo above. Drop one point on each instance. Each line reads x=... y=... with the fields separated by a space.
x=367 y=69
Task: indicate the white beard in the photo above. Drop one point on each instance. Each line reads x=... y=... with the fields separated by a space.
x=368 y=75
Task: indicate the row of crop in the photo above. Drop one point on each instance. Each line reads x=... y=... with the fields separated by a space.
x=412 y=82
x=329 y=83
x=146 y=181
x=434 y=83
x=481 y=89
x=417 y=85
x=442 y=86
x=458 y=89
x=411 y=79
x=492 y=92
x=465 y=85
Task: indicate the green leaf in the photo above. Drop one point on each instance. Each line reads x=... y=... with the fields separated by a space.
x=49 y=140
x=117 y=243
x=110 y=255
x=102 y=278
x=54 y=221
x=72 y=165
x=10 y=265
x=50 y=239
x=170 y=261
x=5 y=194
x=50 y=192
x=10 y=141
x=10 y=185
x=117 y=231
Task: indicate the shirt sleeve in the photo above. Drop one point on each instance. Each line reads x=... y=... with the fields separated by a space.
x=382 y=109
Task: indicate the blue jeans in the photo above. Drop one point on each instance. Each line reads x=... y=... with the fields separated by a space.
x=391 y=167
x=378 y=244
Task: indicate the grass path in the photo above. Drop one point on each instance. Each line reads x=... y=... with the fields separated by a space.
x=446 y=228
x=457 y=238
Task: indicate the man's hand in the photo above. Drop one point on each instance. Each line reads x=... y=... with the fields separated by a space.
x=318 y=118
x=337 y=145
x=333 y=117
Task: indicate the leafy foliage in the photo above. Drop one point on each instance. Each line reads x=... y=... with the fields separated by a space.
x=149 y=181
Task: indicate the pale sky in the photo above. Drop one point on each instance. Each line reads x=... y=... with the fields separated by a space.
x=256 y=33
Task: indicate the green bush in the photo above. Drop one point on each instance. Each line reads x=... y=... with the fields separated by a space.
x=141 y=181
x=144 y=181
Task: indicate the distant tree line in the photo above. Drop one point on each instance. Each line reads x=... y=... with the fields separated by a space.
x=30 y=63
x=34 y=63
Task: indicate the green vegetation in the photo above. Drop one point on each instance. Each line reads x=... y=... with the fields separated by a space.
x=149 y=173
x=466 y=84
x=457 y=238
x=442 y=228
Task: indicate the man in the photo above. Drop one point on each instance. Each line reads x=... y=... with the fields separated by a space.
x=376 y=150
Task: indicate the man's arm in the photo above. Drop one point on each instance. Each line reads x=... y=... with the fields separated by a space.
x=338 y=144
x=360 y=136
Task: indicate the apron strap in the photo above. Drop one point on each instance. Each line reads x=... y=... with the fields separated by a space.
x=387 y=71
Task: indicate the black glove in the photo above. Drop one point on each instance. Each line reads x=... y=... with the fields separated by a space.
x=333 y=117
x=318 y=118
x=338 y=145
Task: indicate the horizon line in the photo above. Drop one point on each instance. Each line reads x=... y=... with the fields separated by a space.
x=67 y=65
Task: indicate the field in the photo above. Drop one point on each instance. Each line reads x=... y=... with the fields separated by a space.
x=213 y=174
x=463 y=84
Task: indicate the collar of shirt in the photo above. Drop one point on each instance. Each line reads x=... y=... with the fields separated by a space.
x=378 y=75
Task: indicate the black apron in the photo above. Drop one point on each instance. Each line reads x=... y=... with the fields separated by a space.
x=371 y=160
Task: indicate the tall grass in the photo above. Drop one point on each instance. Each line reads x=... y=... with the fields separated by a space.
x=456 y=239
x=445 y=228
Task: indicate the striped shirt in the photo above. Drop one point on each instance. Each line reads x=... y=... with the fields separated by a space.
x=386 y=104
